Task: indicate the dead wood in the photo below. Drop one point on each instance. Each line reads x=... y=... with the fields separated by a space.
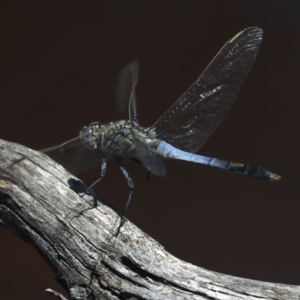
x=39 y=202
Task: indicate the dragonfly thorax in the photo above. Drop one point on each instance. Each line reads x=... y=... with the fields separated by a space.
x=91 y=134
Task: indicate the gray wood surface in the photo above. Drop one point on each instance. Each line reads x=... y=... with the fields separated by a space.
x=77 y=237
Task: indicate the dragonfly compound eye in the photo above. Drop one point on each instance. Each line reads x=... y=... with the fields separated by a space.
x=89 y=135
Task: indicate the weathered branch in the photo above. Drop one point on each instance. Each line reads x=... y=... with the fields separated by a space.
x=38 y=201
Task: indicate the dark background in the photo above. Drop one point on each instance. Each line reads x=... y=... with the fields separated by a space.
x=58 y=64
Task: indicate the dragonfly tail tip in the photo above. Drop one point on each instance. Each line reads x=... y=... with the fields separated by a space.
x=274 y=177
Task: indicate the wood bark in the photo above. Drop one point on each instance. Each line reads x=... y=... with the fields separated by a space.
x=39 y=201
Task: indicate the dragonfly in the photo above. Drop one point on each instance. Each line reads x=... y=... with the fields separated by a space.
x=180 y=132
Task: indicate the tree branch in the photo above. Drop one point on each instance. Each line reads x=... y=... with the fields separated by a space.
x=77 y=238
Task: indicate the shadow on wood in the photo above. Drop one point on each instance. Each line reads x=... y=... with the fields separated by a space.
x=77 y=238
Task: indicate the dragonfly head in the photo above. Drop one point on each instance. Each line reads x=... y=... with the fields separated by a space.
x=90 y=135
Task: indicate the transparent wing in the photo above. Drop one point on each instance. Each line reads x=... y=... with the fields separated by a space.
x=125 y=91
x=74 y=156
x=200 y=110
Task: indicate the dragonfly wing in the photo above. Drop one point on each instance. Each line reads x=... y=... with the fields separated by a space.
x=148 y=158
x=200 y=110
x=74 y=156
x=125 y=91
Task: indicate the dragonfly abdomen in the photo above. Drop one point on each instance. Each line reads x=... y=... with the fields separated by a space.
x=168 y=151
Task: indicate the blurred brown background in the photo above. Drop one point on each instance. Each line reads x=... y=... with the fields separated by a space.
x=58 y=64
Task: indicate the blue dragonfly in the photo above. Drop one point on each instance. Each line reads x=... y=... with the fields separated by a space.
x=180 y=132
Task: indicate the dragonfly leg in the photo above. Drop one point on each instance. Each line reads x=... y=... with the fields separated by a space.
x=102 y=174
x=131 y=186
